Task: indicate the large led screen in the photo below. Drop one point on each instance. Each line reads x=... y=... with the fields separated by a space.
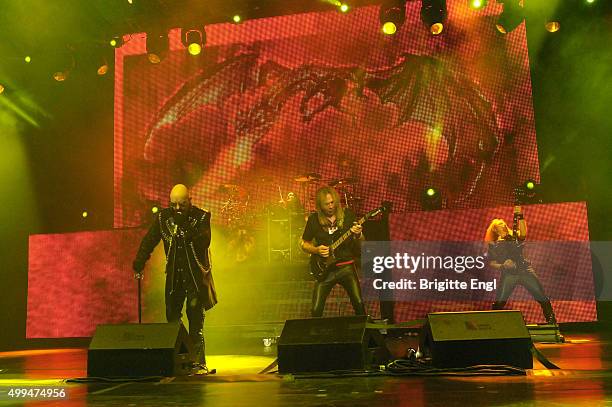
x=290 y=103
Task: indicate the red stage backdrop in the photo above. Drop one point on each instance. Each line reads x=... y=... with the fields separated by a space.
x=327 y=93
x=79 y=280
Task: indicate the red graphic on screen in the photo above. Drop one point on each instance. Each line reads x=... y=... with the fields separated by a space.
x=268 y=102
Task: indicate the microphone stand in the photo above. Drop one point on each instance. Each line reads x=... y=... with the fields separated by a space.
x=139 y=301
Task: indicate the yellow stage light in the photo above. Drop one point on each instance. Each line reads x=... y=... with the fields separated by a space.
x=436 y=28
x=552 y=26
x=194 y=48
x=389 y=28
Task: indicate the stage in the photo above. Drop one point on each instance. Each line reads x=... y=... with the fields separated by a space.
x=583 y=380
x=309 y=186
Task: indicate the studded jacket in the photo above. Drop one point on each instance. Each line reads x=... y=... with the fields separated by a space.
x=190 y=241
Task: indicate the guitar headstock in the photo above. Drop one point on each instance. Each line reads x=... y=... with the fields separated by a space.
x=375 y=212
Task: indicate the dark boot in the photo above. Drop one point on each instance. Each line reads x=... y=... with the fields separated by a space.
x=199 y=349
x=498 y=305
x=549 y=314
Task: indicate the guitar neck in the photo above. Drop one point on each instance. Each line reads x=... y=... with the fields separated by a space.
x=345 y=235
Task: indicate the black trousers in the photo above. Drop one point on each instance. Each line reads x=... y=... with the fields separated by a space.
x=528 y=279
x=184 y=289
x=346 y=276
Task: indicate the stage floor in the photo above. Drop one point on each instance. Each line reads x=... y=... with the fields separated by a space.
x=584 y=380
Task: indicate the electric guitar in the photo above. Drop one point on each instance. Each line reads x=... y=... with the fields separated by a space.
x=319 y=265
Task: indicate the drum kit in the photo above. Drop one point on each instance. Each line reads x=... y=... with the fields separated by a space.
x=261 y=209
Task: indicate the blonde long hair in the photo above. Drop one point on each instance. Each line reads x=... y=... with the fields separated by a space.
x=491 y=235
x=320 y=201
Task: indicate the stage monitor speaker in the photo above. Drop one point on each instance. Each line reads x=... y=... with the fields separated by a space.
x=136 y=350
x=461 y=339
x=328 y=344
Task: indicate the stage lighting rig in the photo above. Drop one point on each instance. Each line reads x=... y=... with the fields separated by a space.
x=527 y=193
x=116 y=41
x=157 y=46
x=433 y=15
x=552 y=20
x=193 y=39
x=552 y=26
x=392 y=15
x=103 y=66
x=64 y=65
x=511 y=16
x=431 y=199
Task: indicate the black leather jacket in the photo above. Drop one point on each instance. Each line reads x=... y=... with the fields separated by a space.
x=188 y=243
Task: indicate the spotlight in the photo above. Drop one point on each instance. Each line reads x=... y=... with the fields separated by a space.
x=63 y=65
x=27 y=59
x=116 y=42
x=157 y=47
x=344 y=7
x=527 y=193
x=433 y=15
x=103 y=67
x=552 y=26
x=431 y=199
x=237 y=19
x=193 y=40
x=477 y=4
x=511 y=16
x=155 y=209
x=84 y=214
x=60 y=76
x=392 y=15
x=389 y=28
x=590 y=1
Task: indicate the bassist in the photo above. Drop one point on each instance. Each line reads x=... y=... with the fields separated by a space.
x=327 y=223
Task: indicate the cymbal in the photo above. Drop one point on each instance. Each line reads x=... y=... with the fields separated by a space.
x=233 y=190
x=310 y=177
x=341 y=181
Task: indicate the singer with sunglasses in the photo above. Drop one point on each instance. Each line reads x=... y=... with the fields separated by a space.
x=184 y=230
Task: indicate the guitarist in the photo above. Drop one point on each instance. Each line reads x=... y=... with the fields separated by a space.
x=505 y=252
x=323 y=226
